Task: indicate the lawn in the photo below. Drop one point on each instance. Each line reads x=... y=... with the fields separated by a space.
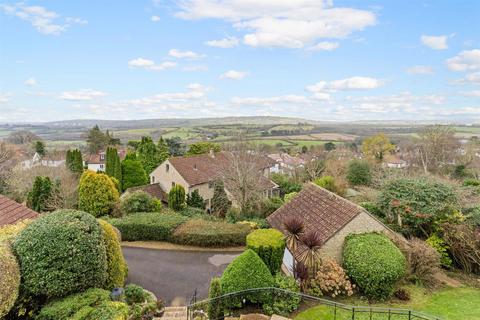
x=449 y=304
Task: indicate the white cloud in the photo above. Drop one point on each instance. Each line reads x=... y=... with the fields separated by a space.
x=154 y=18
x=4 y=97
x=184 y=54
x=30 y=82
x=196 y=68
x=234 y=75
x=468 y=60
x=82 y=95
x=419 y=70
x=324 y=46
x=473 y=93
x=273 y=23
x=150 y=64
x=353 y=83
x=45 y=21
x=225 y=43
x=470 y=78
x=435 y=42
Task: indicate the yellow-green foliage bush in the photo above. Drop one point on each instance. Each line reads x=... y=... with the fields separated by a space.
x=9 y=279
x=10 y=231
x=97 y=193
x=116 y=266
x=269 y=244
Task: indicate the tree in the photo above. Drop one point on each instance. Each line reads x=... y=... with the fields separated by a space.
x=359 y=173
x=202 y=148
x=133 y=174
x=162 y=150
x=113 y=166
x=176 y=198
x=38 y=196
x=377 y=146
x=329 y=146
x=220 y=201
x=175 y=146
x=436 y=147
x=74 y=161
x=97 y=193
x=195 y=200
x=96 y=140
x=22 y=137
x=40 y=148
x=215 y=306
x=147 y=154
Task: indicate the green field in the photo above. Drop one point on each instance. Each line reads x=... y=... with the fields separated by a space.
x=448 y=303
x=183 y=133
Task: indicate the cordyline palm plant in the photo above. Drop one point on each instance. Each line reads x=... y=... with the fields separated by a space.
x=310 y=251
x=294 y=227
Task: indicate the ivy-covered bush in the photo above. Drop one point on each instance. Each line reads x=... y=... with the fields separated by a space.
x=97 y=193
x=420 y=204
x=117 y=268
x=9 y=279
x=330 y=280
x=359 y=173
x=94 y=304
x=154 y=226
x=199 y=232
x=247 y=271
x=269 y=244
x=283 y=303
x=374 y=263
x=61 y=253
x=139 y=201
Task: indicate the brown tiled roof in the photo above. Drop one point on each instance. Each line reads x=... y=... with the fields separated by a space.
x=11 y=211
x=203 y=168
x=95 y=158
x=152 y=189
x=321 y=210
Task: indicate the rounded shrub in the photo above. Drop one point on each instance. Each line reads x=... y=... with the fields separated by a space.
x=359 y=173
x=374 y=263
x=247 y=271
x=139 y=201
x=9 y=279
x=269 y=244
x=116 y=266
x=61 y=253
x=97 y=193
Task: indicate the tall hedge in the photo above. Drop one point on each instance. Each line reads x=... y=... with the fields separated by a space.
x=269 y=244
x=176 y=198
x=113 y=167
x=61 y=253
x=247 y=271
x=374 y=263
x=9 y=279
x=133 y=174
x=116 y=266
x=97 y=193
x=74 y=161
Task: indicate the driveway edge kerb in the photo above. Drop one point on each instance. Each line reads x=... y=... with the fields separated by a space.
x=161 y=245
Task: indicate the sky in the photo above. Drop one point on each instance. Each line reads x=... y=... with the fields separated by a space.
x=314 y=59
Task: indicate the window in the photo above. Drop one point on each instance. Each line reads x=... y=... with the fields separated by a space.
x=167 y=167
x=102 y=157
x=173 y=184
x=153 y=179
x=211 y=184
x=101 y=166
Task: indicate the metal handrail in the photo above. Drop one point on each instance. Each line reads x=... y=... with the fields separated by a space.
x=411 y=314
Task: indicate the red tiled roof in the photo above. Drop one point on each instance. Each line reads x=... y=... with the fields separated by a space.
x=321 y=211
x=152 y=189
x=11 y=211
x=203 y=168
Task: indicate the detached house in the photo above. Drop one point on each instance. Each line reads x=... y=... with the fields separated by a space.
x=200 y=172
x=331 y=216
x=97 y=162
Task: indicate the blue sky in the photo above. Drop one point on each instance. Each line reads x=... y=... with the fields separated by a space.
x=317 y=59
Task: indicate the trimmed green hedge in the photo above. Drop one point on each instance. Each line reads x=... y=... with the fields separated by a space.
x=117 y=268
x=61 y=253
x=204 y=233
x=374 y=263
x=247 y=271
x=269 y=244
x=154 y=226
x=9 y=279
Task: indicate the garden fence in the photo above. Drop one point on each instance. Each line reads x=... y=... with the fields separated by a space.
x=233 y=303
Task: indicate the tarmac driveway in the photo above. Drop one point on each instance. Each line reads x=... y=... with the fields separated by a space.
x=174 y=275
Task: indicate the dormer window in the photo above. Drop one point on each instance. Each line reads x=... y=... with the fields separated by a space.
x=102 y=156
x=167 y=167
